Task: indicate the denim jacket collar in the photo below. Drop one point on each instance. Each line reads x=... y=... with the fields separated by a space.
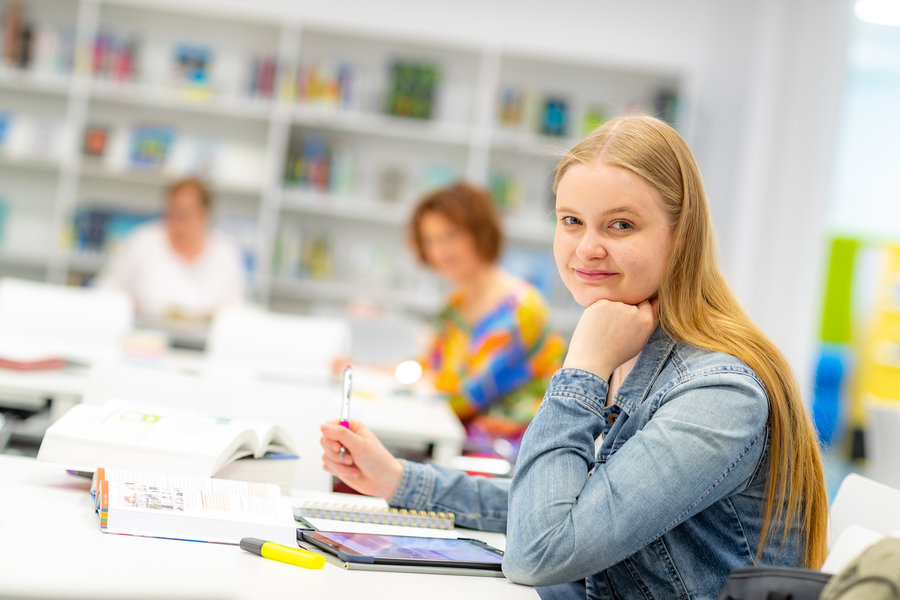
x=650 y=363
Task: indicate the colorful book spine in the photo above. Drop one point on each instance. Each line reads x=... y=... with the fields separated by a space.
x=303 y=254
x=40 y=47
x=99 y=229
x=114 y=58
x=315 y=165
x=326 y=83
x=264 y=72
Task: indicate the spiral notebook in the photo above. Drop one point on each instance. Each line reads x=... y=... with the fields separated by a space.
x=346 y=518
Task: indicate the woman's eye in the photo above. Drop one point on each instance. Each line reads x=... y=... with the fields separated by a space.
x=570 y=221
x=621 y=225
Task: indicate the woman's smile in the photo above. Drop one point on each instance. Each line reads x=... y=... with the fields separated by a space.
x=593 y=274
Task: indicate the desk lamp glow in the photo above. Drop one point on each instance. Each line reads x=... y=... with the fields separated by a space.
x=408 y=372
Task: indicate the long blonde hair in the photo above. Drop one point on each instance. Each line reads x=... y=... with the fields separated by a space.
x=697 y=307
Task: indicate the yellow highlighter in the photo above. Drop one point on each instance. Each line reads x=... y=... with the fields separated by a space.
x=285 y=554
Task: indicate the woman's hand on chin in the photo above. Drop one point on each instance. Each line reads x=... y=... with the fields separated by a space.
x=610 y=334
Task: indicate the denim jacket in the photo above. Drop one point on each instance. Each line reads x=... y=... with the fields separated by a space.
x=668 y=505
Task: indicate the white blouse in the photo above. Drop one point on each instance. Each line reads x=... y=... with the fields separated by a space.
x=163 y=284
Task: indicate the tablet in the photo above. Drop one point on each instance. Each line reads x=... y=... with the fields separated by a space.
x=399 y=550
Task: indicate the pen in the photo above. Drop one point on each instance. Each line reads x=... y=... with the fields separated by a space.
x=285 y=554
x=345 y=400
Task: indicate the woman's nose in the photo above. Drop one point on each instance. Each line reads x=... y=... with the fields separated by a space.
x=591 y=246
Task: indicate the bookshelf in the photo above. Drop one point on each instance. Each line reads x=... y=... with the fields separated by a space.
x=304 y=133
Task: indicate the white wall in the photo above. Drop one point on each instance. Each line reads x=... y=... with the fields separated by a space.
x=764 y=81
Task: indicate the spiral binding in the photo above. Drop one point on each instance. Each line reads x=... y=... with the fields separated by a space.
x=377 y=515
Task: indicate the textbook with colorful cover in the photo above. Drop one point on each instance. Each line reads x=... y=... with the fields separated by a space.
x=185 y=507
x=157 y=438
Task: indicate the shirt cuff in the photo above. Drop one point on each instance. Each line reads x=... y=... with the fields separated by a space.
x=416 y=487
x=584 y=386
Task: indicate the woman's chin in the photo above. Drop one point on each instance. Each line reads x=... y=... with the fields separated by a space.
x=585 y=299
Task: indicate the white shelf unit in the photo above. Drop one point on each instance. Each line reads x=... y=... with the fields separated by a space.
x=359 y=225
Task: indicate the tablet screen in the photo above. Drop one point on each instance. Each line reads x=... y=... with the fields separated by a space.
x=408 y=548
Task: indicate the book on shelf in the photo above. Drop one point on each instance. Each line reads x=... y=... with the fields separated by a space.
x=555 y=117
x=183 y=507
x=115 y=58
x=243 y=230
x=326 y=83
x=150 y=146
x=96 y=141
x=25 y=135
x=149 y=437
x=39 y=47
x=665 y=104
x=192 y=64
x=507 y=191
x=263 y=77
x=412 y=88
x=98 y=229
x=6 y=120
x=301 y=253
x=317 y=165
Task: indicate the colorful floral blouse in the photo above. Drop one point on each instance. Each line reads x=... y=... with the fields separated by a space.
x=496 y=371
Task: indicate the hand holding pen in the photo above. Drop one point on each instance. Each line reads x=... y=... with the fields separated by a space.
x=346 y=389
x=367 y=466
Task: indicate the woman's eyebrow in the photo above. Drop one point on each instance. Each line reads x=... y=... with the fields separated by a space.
x=621 y=209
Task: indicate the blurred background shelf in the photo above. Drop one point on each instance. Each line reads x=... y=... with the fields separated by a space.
x=312 y=145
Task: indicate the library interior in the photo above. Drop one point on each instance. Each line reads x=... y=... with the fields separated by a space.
x=327 y=283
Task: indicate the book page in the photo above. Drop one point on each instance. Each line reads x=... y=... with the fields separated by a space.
x=351 y=527
x=147 y=437
x=183 y=502
x=272 y=438
x=190 y=482
x=132 y=425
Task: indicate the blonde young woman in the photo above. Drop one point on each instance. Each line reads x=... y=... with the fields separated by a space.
x=708 y=460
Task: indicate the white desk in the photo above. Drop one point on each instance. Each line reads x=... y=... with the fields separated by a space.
x=65 y=387
x=299 y=408
x=51 y=546
x=396 y=420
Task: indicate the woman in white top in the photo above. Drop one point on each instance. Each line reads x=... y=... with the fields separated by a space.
x=177 y=267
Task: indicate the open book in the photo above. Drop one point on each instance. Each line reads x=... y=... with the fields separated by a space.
x=156 y=438
x=191 y=508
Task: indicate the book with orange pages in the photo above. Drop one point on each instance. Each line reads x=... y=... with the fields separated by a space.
x=184 y=507
x=46 y=364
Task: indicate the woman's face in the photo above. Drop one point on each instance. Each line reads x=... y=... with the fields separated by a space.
x=449 y=249
x=612 y=235
x=185 y=214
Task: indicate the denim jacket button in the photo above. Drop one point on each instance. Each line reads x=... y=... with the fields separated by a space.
x=611 y=419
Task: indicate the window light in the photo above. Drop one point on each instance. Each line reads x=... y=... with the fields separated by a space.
x=880 y=12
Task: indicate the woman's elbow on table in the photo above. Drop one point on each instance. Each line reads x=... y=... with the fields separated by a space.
x=533 y=565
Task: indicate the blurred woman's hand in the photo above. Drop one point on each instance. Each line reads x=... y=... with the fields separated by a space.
x=367 y=466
